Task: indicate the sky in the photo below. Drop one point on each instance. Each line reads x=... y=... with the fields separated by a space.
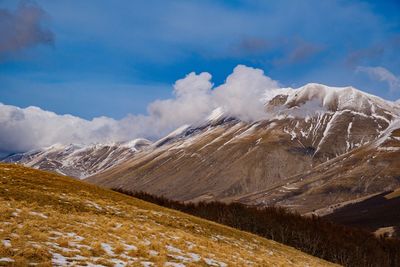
x=116 y=60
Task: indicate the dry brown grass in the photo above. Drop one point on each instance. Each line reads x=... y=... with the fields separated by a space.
x=394 y=194
x=54 y=220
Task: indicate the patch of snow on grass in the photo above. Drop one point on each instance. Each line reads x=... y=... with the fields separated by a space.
x=173 y=249
x=58 y=247
x=75 y=236
x=16 y=213
x=118 y=263
x=174 y=264
x=59 y=260
x=107 y=248
x=213 y=262
x=94 y=205
x=6 y=260
x=130 y=247
x=153 y=253
x=195 y=257
x=118 y=225
x=190 y=245
x=6 y=243
x=180 y=258
x=146 y=242
x=39 y=214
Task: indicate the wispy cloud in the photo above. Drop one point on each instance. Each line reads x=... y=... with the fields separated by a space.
x=298 y=51
x=381 y=74
x=359 y=56
x=212 y=27
x=252 y=46
x=23 y=28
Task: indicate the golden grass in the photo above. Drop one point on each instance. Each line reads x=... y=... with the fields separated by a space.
x=50 y=219
x=394 y=194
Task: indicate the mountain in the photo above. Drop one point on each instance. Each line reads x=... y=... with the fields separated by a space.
x=298 y=150
x=53 y=220
x=79 y=160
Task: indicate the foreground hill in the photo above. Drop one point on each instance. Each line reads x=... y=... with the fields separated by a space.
x=50 y=219
x=297 y=152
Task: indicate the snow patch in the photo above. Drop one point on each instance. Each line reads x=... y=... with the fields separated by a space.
x=39 y=214
x=6 y=243
x=107 y=248
x=6 y=260
x=216 y=114
x=213 y=262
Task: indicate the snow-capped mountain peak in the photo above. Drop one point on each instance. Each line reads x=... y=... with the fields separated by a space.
x=340 y=98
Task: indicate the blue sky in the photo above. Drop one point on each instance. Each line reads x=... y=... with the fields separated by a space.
x=112 y=58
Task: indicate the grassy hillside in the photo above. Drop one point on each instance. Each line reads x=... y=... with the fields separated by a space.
x=48 y=219
x=313 y=235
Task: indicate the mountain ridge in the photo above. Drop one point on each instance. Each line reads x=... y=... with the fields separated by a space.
x=223 y=158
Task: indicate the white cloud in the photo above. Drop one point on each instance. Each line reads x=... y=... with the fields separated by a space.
x=382 y=74
x=23 y=129
x=241 y=95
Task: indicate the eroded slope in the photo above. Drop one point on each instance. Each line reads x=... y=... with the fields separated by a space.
x=370 y=169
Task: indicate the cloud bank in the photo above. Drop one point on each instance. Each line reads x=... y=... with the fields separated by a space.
x=195 y=97
x=383 y=75
x=23 y=28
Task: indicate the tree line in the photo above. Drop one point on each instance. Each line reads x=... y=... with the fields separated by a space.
x=313 y=235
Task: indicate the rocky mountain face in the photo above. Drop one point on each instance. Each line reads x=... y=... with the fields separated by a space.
x=367 y=170
x=79 y=161
x=316 y=147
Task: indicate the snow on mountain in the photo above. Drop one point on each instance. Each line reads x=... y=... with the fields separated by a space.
x=79 y=160
x=223 y=158
x=318 y=97
x=314 y=115
x=350 y=116
x=216 y=114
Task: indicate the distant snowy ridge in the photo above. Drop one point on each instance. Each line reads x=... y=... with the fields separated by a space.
x=80 y=160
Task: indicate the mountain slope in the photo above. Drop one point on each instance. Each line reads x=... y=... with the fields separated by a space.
x=50 y=219
x=370 y=169
x=79 y=160
x=227 y=159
